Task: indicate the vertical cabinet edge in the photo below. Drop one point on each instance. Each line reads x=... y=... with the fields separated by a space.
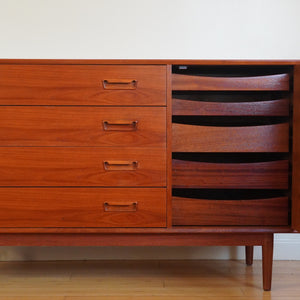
x=296 y=151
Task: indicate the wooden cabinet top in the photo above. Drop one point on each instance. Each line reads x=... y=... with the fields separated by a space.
x=154 y=61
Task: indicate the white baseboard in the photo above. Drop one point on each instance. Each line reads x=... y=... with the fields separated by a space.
x=286 y=247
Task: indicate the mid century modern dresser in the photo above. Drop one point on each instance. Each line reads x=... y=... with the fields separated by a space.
x=150 y=152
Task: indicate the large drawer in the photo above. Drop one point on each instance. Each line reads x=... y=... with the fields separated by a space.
x=82 y=126
x=82 y=207
x=189 y=211
x=82 y=166
x=82 y=85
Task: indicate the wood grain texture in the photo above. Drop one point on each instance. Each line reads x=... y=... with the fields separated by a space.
x=158 y=231
x=128 y=83
x=81 y=207
x=258 y=175
x=189 y=211
x=278 y=82
x=80 y=85
x=267 y=261
x=278 y=107
x=249 y=255
x=169 y=146
x=80 y=166
x=82 y=126
x=264 y=138
x=146 y=280
x=131 y=239
x=296 y=152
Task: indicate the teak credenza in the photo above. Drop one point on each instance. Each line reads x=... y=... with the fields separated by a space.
x=150 y=152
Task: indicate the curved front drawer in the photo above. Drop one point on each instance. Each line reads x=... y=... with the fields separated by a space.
x=82 y=166
x=277 y=82
x=258 y=175
x=83 y=126
x=264 y=138
x=189 y=211
x=183 y=107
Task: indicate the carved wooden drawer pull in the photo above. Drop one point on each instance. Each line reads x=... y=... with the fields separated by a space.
x=120 y=125
x=117 y=165
x=119 y=84
x=110 y=207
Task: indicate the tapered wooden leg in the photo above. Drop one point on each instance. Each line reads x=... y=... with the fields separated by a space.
x=267 y=261
x=249 y=255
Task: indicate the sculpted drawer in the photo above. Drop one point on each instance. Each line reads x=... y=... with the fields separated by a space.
x=232 y=82
x=237 y=104
x=83 y=85
x=83 y=126
x=194 y=211
x=250 y=175
x=82 y=207
x=264 y=138
x=82 y=166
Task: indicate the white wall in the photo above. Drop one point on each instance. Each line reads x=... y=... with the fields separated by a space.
x=149 y=29
x=197 y=29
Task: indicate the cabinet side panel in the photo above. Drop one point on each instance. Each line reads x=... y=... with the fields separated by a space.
x=169 y=145
x=296 y=152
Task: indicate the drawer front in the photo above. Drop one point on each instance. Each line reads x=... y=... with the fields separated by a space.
x=277 y=82
x=82 y=166
x=82 y=207
x=183 y=107
x=187 y=211
x=82 y=85
x=264 y=138
x=258 y=175
x=83 y=126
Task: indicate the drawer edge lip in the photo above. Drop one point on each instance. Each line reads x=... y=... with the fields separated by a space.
x=180 y=198
x=158 y=230
x=152 y=61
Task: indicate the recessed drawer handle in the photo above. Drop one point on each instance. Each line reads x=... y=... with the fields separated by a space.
x=120 y=165
x=119 y=84
x=120 y=207
x=120 y=125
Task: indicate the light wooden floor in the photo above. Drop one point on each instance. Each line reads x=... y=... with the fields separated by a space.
x=133 y=280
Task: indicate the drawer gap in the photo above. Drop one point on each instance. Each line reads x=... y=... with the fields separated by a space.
x=229 y=194
x=232 y=121
x=230 y=157
x=230 y=96
x=230 y=71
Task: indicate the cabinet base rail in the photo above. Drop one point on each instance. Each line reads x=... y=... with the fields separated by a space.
x=154 y=239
